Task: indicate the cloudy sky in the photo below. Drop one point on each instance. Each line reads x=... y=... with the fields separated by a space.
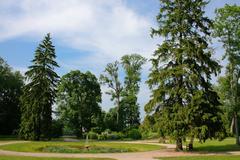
x=87 y=34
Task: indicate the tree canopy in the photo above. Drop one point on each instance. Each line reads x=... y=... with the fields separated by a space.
x=79 y=95
x=11 y=84
x=227 y=29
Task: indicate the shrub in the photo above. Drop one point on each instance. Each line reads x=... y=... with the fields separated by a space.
x=102 y=137
x=107 y=135
x=92 y=135
x=134 y=134
x=114 y=136
x=57 y=128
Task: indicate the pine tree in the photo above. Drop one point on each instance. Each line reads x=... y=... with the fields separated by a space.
x=39 y=94
x=181 y=73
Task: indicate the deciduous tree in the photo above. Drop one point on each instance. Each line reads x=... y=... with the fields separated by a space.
x=227 y=28
x=11 y=84
x=132 y=65
x=79 y=95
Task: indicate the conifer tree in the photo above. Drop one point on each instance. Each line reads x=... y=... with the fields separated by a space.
x=39 y=94
x=180 y=77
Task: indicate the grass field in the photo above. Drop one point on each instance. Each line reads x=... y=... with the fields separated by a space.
x=79 y=147
x=217 y=146
x=204 y=158
x=39 y=158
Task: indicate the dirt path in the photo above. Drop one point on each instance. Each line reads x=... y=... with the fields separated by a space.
x=168 y=152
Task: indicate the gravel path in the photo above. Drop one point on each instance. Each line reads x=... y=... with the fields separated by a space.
x=149 y=155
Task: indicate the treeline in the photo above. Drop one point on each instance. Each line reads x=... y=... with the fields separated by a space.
x=183 y=105
x=76 y=95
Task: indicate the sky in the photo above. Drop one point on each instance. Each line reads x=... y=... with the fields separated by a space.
x=87 y=34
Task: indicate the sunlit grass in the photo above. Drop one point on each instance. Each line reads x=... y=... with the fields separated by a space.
x=79 y=147
x=39 y=158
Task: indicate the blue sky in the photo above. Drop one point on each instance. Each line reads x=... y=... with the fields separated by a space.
x=87 y=34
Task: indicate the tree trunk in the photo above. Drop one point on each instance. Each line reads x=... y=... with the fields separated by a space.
x=190 y=145
x=179 y=146
x=236 y=128
x=118 y=108
x=232 y=125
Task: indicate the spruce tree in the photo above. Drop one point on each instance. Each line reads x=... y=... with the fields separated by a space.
x=39 y=94
x=180 y=77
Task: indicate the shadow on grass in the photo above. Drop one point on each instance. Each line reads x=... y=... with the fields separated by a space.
x=220 y=148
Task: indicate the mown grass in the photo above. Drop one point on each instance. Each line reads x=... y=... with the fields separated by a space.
x=40 y=158
x=8 y=138
x=203 y=158
x=217 y=146
x=79 y=147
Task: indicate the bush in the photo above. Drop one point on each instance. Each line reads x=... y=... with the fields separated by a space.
x=134 y=134
x=150 y=135
x=115 y=136
x=102 y=137
x=92 y=135
x=57 y=128
x=108 y=135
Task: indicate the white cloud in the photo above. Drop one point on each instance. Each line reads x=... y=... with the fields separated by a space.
x=106 y=29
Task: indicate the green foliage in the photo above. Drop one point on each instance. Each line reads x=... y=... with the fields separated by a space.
x=57 y=128
x=39 y=94
x=182 y=94
x=134 y=134
x=11 y=84
x=110 y=120
x=108 y=135
x=149 y=128
x=79 y=95
x=132 y=65
x=92 y=135
x=126 y=113
x=227 y=29
x=111 y=79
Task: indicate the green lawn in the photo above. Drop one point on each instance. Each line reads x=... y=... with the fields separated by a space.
x=204 y=158
x=79 y=147
x=217 y=146
x=38 y=158
x=8 y=138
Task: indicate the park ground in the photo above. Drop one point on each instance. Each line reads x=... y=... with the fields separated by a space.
x=11 y=149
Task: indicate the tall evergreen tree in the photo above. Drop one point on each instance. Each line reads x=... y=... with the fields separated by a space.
x=132 y=65
x=227 y=28
x=180 y=76
x=39 y=94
